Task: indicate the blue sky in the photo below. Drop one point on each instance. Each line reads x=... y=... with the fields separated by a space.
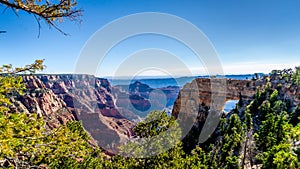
x=249 y=35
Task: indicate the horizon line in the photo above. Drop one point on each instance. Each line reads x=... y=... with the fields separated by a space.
x=149 y=76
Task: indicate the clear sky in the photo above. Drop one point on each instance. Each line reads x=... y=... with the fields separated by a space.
x=249 y=35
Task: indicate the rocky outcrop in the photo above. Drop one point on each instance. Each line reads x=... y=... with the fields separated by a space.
x=41 y=100
x=60 y=98
x=229 y=89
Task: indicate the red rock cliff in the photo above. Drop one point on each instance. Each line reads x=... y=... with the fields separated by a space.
x=60 y=98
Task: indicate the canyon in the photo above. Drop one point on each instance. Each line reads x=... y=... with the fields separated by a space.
x=109 y=113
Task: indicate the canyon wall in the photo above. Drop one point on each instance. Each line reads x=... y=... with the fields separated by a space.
x=61 y=98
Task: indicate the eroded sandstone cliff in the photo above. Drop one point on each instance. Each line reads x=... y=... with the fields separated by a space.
x=60 y=98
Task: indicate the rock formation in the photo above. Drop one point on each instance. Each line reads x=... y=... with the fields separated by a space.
x=230 y=90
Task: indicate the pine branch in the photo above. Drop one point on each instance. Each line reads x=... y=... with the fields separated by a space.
x=47 y=12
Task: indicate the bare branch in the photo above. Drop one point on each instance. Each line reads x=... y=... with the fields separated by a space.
x=39 y=24
x=4 y=9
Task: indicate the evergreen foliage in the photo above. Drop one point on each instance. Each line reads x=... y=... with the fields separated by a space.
x=24 y=140
x=275 y=135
